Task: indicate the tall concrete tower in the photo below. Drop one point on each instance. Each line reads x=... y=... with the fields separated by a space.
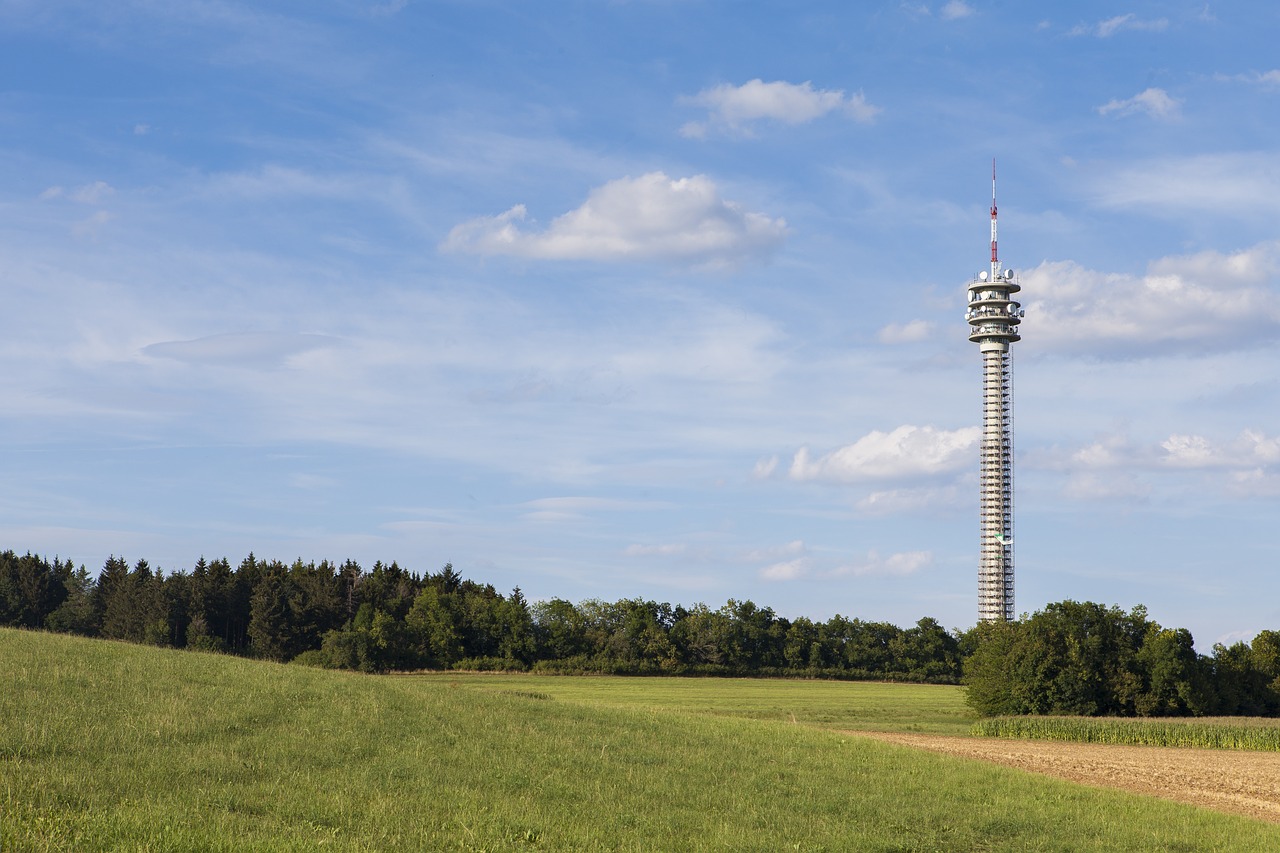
x=993 y=320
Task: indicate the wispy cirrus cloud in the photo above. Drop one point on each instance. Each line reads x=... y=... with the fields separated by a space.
x=652 y=217
x=1120 y=23
x=1156 y=103
x=1262 y=79
x=736 y=109
x=263 y=349
x=1244 y=184
x=910 y=332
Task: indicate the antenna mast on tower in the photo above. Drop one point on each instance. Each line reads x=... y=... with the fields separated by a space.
x=993 y=319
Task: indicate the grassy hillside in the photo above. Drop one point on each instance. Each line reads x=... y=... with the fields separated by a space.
x=115 y=747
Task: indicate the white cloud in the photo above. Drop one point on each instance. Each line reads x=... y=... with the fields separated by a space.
x=141 y=129
x=787 y=570
x=1116 y=468
x=1264 y=79
x=1154 y=102
x=94 y=193
x=794 y=547
x=590 y=504
x=654 y=550
x=906 y=452
x=1244 y=185
x=905 y=333
x=1090 y=486
x=894 y=501
x=765 y=468
x=92 y=225
x=1194 y=303
x=1250 y=451
x=900 y=564
x=956 y=9
x=736 y=108
x=262 y=349
x=1120 y=23
x=651 y=217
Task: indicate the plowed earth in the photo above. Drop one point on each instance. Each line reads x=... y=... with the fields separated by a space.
x=1246 y=783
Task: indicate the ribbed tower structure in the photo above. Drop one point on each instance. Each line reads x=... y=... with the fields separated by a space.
x=993 y=319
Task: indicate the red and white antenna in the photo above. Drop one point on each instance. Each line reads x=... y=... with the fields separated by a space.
x=995 y=258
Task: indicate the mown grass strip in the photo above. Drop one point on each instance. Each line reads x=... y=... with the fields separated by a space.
x=1256 y=734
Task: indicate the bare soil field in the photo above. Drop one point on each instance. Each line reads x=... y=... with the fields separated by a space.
x=1246 y=783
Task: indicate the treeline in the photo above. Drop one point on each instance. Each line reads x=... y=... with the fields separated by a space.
x=1070 y=658
x=341 y=616
x=1081 y=658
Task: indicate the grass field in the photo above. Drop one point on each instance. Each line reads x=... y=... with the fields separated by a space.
x=858 y=705
x=106 y=746
x=1251 y=733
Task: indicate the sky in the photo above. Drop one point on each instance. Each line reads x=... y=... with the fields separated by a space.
x=659 y=299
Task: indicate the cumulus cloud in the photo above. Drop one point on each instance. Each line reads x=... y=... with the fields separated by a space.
x=1116 y=467
x=787 y=570
x=652 y=217
x=1251 y=449
x=903 y=563
x=1154 y=102
x=1121 y=23
x=764 y=468
x=906 y=452
x=737 y=108
x=956 y=9
x=905 y=333
x=1194 y=303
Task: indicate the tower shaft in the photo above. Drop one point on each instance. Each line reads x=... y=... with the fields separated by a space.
x=995 y=561
x=993 y=318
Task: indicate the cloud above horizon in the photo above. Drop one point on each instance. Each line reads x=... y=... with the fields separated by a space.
x=905 y=453
x=1154 y=102
x=1119 y=24
x=652 y=217
x=736 y=109
x=1207 y=302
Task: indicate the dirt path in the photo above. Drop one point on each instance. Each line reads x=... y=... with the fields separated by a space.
x=1246 y=783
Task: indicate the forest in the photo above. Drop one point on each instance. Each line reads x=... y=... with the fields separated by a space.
x=1070 y=658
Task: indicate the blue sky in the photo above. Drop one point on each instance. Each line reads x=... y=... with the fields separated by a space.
x=657 y=299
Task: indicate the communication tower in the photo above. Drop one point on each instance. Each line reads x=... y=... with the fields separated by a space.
x=993 y=325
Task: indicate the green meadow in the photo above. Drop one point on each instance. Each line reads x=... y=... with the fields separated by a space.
x=863 y=705
x=106 y=746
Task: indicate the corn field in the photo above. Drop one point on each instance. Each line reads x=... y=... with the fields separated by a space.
x=1247 y=733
